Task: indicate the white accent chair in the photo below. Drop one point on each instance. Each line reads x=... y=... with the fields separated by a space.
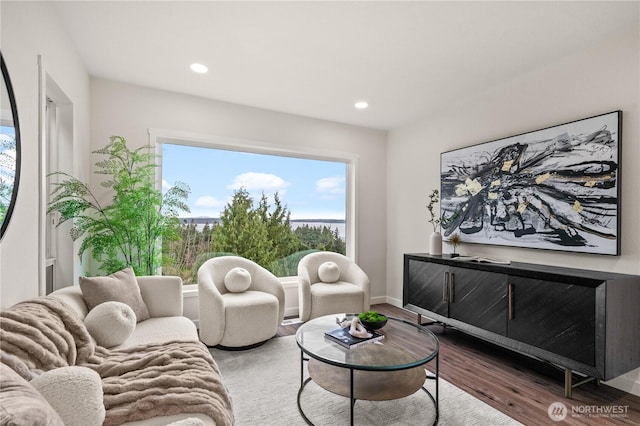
x=244 y=316
x=331 y=283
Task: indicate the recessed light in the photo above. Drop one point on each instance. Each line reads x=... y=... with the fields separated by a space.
x=361 y=105
x=199 y=68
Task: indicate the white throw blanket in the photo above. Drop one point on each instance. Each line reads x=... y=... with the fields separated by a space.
x=138 y=383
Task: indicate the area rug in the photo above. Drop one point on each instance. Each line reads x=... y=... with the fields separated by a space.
x=264 y=382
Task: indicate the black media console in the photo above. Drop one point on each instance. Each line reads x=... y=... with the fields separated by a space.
x=583 y=321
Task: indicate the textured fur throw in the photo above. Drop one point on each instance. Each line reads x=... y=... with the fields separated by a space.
x=138 y=383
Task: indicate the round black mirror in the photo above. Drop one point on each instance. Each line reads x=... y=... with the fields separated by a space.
x=9 y=149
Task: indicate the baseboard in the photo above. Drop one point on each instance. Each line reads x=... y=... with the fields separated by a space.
x=390 y=300
x=291 y=312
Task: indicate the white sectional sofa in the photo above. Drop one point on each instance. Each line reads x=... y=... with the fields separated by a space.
x=53 y=372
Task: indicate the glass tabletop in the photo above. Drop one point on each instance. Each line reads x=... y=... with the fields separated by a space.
x=405 y=345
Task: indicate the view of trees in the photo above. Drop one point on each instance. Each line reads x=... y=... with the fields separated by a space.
x=259 y=232
x=125 y=230
x=7 y=168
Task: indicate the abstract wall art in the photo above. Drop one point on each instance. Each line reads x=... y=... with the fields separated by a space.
x=556 y=188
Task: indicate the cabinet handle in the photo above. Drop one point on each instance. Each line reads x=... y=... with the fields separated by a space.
x=510 y=291
x=445 y=287
x=452 y=284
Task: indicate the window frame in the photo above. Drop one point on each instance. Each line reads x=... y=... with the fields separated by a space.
x=157 y=137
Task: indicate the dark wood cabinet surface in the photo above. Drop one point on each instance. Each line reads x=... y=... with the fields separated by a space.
x=556 y=317
x=479 y=298
x=559 y=274
x=426 y=287
x=583 y=320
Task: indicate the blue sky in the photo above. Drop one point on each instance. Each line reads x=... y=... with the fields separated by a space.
x=311 y=189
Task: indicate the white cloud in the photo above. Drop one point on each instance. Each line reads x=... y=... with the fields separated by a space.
x=333 y=185
x=165 y=185
x=259 y=182
x=208 y=201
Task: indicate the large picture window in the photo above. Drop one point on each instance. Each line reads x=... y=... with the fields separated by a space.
x=268 y=207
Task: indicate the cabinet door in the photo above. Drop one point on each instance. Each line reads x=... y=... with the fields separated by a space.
x=427 y=288
x=479 y=298
x=554 y=316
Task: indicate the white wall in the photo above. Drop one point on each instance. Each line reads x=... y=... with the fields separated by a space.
x=28 y=30
x=129 y=111
x=600 y=80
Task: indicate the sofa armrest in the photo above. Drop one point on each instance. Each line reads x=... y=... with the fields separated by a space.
x=304 y=293
x=72 y=296
x=162 y=295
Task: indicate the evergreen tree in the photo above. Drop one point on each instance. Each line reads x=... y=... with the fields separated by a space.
x=242 y=230
x=284 y=241
x=320 y=238
x=261 y=233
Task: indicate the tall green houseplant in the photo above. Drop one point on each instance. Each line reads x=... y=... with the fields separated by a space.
x=128 y=231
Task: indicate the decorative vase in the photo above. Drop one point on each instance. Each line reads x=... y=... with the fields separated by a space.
x=435 y=244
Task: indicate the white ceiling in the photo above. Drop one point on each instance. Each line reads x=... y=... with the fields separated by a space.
x=407 y=59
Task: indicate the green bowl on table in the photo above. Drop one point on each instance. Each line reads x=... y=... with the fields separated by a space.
x=372 y=320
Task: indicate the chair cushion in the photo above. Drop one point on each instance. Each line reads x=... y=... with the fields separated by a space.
x=335 y=298
x=329 y=272
x=110 y=323
x=237 y=280
x=250 y=317
x=75 y=393
x=22 y=404
x=120 y=286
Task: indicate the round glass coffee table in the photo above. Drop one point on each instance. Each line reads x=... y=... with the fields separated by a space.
x=391 y=368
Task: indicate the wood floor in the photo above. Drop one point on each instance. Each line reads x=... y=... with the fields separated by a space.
x=519 y=386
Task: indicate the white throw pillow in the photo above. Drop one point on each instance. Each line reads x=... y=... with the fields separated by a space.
x=237 y=280
x=329 y=272
x=110 y=323
x=75 y=393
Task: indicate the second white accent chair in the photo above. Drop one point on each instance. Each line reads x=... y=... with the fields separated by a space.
x=331 y=283
x=241 y=303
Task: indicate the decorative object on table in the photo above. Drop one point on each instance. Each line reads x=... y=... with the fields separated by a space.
x=483 y=259
x=351 y=334
x=555 y=188
x=372 y=320
x=435 y=240
x=455 y=239
x=435 y=243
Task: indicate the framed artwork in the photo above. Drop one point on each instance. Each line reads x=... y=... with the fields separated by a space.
x=556 y=188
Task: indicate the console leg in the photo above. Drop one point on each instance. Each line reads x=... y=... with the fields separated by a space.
x=568 y=382
x=430 y=322
x=569 y=385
